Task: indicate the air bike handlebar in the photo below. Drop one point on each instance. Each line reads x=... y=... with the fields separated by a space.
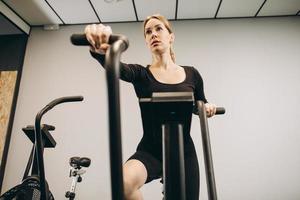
x=62 y=100
x=209 y=169
x=39 y=143
x=118 y=44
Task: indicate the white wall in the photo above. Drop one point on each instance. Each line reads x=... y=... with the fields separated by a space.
x=249 y=66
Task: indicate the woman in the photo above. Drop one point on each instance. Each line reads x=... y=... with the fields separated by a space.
x=163 y=75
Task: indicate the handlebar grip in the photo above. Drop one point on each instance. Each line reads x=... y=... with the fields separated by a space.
x=64 y=100
x=220 y=111
x=73 y=98
x=80 y=39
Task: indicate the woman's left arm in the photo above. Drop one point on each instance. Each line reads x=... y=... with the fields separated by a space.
x=199 y=95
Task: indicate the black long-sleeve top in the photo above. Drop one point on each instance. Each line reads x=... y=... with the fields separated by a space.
x=144 y=85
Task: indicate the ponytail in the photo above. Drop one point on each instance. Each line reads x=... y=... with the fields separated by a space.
x=172 y=54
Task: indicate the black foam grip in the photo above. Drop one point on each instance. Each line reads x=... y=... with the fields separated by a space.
x=73 y=98
x=220 y=111
x=79 y=40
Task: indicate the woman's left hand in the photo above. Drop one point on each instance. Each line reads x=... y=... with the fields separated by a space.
x=210 y=109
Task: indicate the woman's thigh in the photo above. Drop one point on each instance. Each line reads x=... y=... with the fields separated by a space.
x=152 y=165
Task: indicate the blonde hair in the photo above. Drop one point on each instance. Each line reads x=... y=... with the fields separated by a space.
x=166 y=24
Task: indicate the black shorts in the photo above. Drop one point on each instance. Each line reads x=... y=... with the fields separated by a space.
x=152 y=164
x=154 y=171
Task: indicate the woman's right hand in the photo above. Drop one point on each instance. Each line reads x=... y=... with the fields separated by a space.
x=98 y=35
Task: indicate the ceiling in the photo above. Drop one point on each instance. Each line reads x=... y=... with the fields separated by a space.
x=8 y=28
x=65 y=12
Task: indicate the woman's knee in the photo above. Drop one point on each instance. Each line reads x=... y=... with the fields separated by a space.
x=135 y=175
x=129 y=187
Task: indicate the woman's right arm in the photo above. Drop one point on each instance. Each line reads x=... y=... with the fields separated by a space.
x=98 y=36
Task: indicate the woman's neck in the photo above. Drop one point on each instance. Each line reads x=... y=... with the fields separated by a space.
x=163 y=60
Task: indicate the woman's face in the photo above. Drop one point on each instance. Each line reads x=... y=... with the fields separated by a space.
x=157 y=36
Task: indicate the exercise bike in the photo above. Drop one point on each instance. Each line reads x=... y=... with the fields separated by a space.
x=35 y=186
x=174 y=191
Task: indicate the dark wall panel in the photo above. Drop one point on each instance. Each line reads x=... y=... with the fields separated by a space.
x=12 y=51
